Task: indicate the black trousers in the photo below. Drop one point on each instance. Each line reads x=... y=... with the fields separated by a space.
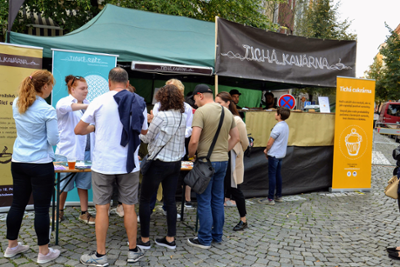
x=38 y=180
x=166 y=173
x=234 y=193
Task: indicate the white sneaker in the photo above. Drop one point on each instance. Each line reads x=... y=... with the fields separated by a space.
x=52 y=255
x=11 y=252
x=120 y=210
x=178 y=216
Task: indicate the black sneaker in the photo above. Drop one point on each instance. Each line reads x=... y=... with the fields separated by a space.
x=188 y=204
x=163 y=242
x=194 y=241
x=143 y=245
x=240 y=226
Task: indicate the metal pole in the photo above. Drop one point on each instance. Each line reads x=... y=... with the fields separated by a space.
x=58 y=204
x=216 y=84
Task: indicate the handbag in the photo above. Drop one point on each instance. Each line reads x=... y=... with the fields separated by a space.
x=392 y=187
x=199 y=177
x=146 y=162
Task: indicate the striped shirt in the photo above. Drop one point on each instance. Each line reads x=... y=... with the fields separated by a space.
x=163 y=129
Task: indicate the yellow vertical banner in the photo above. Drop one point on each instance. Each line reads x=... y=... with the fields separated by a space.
x=353 y=134
x=16 y=63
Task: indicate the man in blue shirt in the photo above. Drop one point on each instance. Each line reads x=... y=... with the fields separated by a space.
x=275 y=152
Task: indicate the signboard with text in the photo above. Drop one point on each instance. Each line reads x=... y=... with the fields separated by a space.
x=16 y=63
x=353 y=134
x=94 y=67
x=251 y=53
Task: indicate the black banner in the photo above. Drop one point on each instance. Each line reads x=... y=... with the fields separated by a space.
x=304 y=169
x=251 y=53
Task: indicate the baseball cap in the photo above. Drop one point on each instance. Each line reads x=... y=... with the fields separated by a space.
x=234 y=92
x=201 y=88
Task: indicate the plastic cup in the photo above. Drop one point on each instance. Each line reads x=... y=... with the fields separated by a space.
x=71 y=163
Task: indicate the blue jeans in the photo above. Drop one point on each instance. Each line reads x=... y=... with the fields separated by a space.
x=210 y=206
x=274 y=177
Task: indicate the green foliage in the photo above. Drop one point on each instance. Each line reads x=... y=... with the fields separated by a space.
x=375 y=73
x=388 y=83
x=248 y=12
x=69 y=15
x=3 y=16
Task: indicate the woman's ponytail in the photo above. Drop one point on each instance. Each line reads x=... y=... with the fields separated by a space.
x=31 y=86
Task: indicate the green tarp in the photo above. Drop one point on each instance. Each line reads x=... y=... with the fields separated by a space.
x=136 y=35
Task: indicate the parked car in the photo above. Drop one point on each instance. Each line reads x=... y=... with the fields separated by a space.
x=390 y=113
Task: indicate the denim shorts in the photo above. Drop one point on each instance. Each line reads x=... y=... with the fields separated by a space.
x=81 y=180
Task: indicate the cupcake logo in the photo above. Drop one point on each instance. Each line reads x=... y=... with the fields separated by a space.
x=353 y=142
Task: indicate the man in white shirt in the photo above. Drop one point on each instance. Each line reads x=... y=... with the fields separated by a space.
x=109 y=165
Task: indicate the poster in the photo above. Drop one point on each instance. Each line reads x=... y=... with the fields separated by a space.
x=94 y=67
x=16 y=63
x=353 y=134
x=324 y=106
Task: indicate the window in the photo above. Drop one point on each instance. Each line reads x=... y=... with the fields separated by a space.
x=394 y=110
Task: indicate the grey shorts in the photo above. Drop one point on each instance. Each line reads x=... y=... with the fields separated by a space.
x=128 y=185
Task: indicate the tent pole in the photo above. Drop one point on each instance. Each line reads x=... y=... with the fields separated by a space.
x=216 y=45
x=216 y=85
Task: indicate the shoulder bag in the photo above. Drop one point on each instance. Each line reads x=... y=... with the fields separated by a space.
x=392 y=187
x=146 y=161
x=199 y=177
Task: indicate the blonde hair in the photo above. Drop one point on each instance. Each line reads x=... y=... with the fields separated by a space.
x=31 y=86
x=178 y=84
x=72 y=81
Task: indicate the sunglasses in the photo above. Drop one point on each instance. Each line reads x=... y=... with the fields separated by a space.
x=76 y=78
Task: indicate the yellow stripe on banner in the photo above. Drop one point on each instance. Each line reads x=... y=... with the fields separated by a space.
x=305 y=129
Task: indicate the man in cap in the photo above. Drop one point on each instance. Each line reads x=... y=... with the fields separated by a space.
x=235 y=94
x=210 y=204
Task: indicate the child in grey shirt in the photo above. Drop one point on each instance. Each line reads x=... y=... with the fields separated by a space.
x=275 y=152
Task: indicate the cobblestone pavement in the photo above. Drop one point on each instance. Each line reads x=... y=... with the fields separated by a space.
x=316 y=229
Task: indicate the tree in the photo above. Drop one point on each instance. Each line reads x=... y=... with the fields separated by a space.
x=319 y=19
x=69 y=15
x=375 y=73
x=389 y=83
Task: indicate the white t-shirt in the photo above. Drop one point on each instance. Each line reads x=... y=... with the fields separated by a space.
x=109 y=157
x=70 y=144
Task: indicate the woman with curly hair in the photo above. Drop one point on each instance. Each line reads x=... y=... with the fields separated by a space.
x=166 y=139
x=32 y=166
